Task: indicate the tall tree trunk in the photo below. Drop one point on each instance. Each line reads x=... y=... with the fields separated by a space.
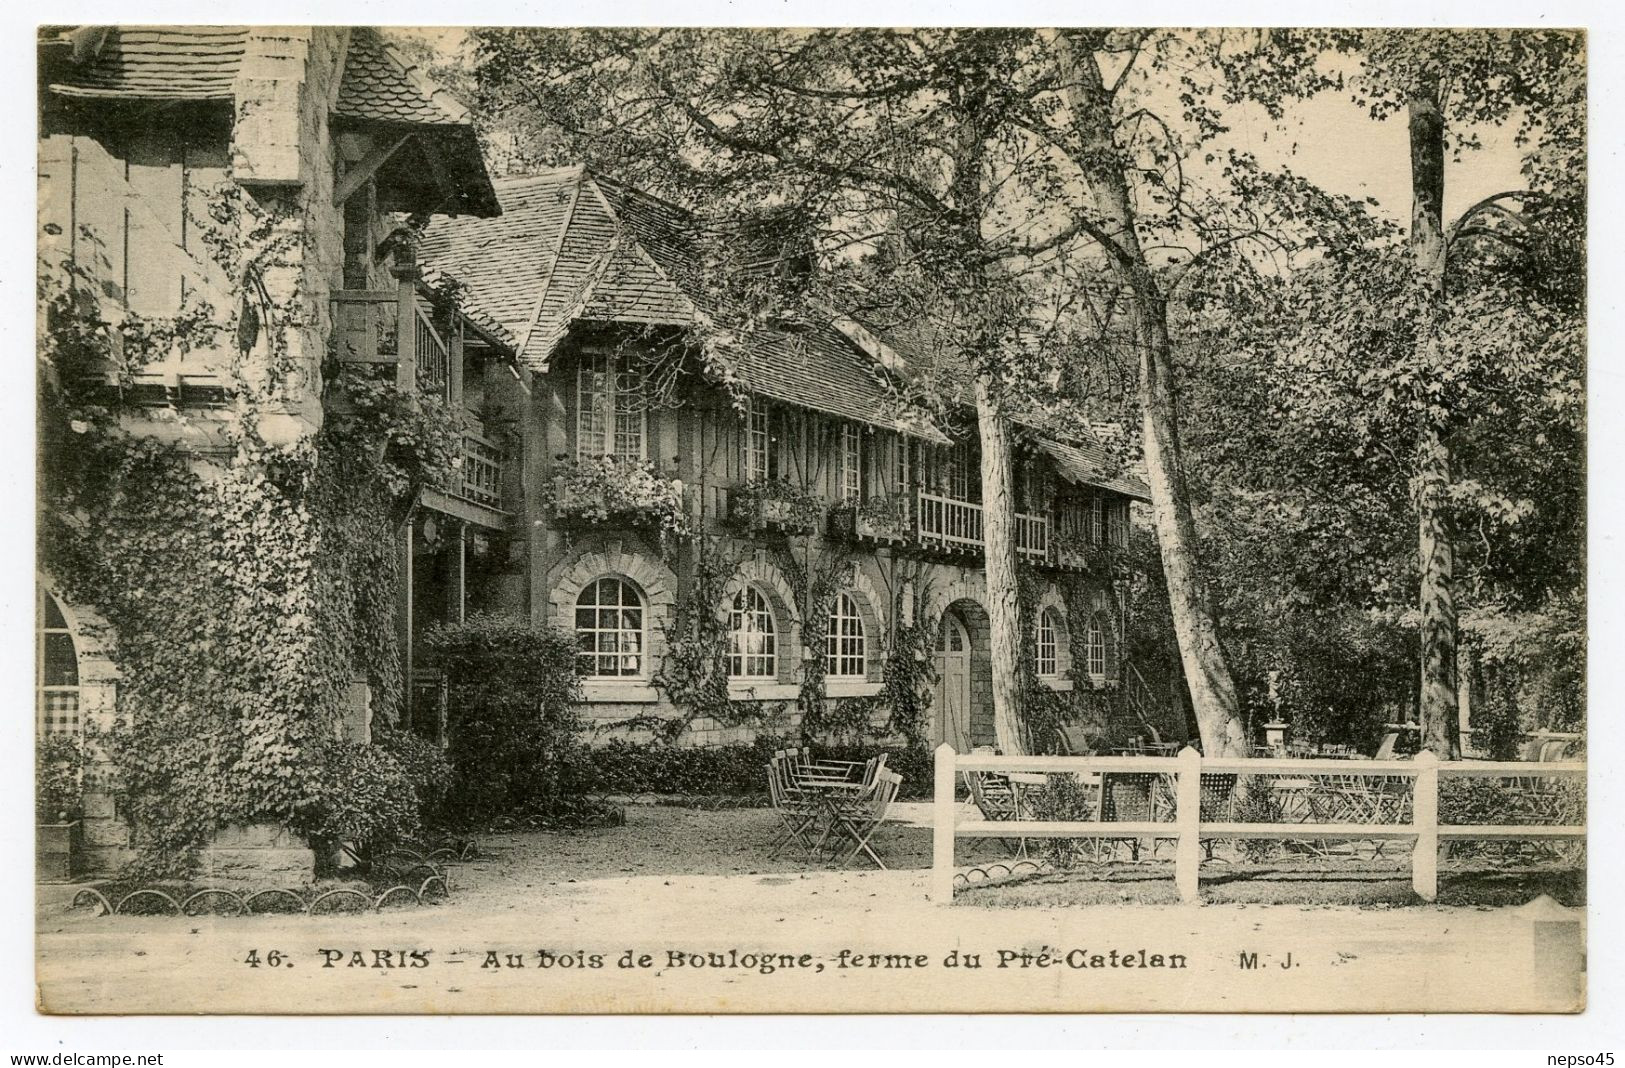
x=1435 y=551
x=993 y=429
x=998 y=534
x=1207 y=674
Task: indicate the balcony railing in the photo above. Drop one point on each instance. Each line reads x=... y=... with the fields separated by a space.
x=370 y=325
x=1032 y=536
x=950 y=524
x=482 y=474
x=956 y=526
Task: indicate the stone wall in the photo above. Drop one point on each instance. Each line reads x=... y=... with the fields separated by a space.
x=282 y=151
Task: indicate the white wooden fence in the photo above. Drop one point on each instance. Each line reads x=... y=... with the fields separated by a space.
x=1188 y=829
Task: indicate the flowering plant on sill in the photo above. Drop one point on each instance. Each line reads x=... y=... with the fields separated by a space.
x=775 y=503
x=883 y=518
x=603 y=490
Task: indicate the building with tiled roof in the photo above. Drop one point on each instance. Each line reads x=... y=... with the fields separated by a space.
x=163 y=152
x=786 y=448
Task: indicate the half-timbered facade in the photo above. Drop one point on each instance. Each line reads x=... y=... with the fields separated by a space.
x=784 y=453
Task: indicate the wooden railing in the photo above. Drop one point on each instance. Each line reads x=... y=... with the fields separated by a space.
x=955 y=524
x=392 y=327
x=1032 y=536
x=1415 y=819
x=948 y=523
x=482 y=473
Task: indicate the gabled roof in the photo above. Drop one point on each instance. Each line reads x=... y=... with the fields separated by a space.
x=152 y=62
x=574 y=247
x=382 y=85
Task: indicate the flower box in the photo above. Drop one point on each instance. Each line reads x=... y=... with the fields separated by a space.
x=606 y=492
x=775 y=504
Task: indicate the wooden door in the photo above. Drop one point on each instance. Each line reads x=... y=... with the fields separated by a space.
x=952 y=719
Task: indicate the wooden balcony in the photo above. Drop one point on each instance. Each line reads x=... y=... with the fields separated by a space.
x=483 y=475
x=394 y=328
x=955 y=527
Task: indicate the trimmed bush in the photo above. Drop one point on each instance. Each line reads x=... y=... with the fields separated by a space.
x=511 y=721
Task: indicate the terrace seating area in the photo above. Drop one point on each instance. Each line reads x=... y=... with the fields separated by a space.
x=830 y=809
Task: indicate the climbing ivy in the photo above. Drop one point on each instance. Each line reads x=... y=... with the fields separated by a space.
x=245 y=583
x=693 y=675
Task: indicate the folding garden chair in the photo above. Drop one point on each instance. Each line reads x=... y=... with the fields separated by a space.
x=858 y=820
x=797 y=811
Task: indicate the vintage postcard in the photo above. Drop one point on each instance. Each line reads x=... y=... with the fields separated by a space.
x=689 y=520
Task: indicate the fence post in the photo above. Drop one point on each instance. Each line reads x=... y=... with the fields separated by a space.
x=1425 y=817
x=942 y=827
x=1188 y=814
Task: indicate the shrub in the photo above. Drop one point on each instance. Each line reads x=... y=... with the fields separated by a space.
x=423 y=764
x=59 y=764
x=364 y=796
x=511 y=721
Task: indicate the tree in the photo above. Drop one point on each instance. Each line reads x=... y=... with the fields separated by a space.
x=1130 y=112
x=1447 y=82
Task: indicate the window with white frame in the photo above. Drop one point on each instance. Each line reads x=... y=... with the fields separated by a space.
x=611 y=412
x=1047 y=659
x=1097 y=519
x=851 y=480
x=844 y=645
x=610 y=629
x=56 y=669
x=756 y=442
x=905 y=463
x=1094 y=648
x=752 y=644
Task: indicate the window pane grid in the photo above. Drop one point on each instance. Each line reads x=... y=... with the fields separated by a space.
x=1095 y=647
x=756 y=443
x=845 y=644
x=611 y=416
x=629 y=415
x=851 y=462
x=753 y=650
x=56 y=670
x=609 y=630
x=1046 y=643
x=592 y=388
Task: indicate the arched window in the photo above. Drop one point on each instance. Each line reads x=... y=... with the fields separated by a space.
x=1094 y=647
x=56 y=669
x=1047 y=661
x=844 y=646
x=609 y=629
x=752 y=645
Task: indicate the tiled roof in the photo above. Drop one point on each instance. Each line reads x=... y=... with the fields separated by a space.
x=1088 y=464
x=156 y=62
x=382 y=85
x=571 y=246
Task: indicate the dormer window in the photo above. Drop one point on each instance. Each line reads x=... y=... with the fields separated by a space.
x=611 y=411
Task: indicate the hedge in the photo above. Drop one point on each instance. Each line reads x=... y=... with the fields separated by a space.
x=624 y=767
